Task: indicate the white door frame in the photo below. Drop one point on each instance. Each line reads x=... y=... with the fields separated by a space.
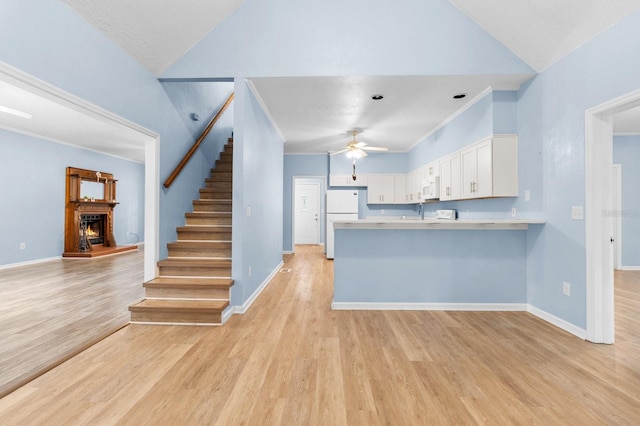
x=598 y=201
x=323 y=189
x=617 y=214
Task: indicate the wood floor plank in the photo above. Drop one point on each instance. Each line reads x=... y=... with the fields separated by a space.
x=54 y=309
x=292 y=360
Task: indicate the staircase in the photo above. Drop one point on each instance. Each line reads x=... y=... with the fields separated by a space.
x=193 y=286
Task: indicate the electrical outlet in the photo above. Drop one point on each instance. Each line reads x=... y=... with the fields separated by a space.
x=250 y=271
x=23 y=246
x=248 y=211
x=382 y=211
x=513 y=212
x=566 y=289
x=527 y=195
x=577 y=213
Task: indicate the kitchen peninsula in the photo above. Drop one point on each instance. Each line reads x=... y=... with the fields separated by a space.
x=433 y=264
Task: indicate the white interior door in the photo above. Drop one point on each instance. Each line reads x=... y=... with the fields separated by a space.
x=307 y=213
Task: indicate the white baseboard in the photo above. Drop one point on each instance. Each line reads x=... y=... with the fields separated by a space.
x=231 y=310
x=29 y=262
x=630 y=268
x=287 y=252
x=373 y=306
x=558 y=322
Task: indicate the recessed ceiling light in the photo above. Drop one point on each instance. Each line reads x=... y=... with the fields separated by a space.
x=15 y=112
x=377 y=97
x=460 y=96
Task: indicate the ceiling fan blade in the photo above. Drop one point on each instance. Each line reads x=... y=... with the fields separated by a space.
x=360 y=145
x=375 y=148
x=339 y=152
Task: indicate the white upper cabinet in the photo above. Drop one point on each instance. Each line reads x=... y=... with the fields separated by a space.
x=381 y=189
x=347 y=180
x=413 y=187
x=490 y=168
x=450 y=177
x=400 y=189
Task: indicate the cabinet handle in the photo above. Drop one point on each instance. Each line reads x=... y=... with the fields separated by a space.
x=471 y=187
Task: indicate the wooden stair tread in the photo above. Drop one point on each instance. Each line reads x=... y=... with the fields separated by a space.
x=210 y=201
x=199 y=243
x=184 y=282
x=185 y=261
x=204 y=228
x=179 y=305
x=209 y=214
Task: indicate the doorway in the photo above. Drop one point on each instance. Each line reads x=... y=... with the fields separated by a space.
x=599 y=228
x=307 y=213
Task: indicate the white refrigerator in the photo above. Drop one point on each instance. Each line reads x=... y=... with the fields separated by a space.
x=341 y=205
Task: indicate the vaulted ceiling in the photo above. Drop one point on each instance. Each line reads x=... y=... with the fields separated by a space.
x=157 y=33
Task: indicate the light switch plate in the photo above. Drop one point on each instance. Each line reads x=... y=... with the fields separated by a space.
x=577 y=213
x=527 y=195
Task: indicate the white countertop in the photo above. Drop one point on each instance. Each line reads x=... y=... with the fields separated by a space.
x=431 y=223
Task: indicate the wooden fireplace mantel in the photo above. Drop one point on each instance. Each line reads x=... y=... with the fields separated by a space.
x=76 y=206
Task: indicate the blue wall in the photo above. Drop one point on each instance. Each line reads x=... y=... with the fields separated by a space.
x=300 y=166
x=257 y=185
x=626 y=151
x=552 y=126
x=33 y=206
x=430 y=266
x=48 y=40
x=321 y=37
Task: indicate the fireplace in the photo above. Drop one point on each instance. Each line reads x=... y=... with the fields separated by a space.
x=89 y=214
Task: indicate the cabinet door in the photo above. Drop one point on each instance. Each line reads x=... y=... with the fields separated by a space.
x=347 y=180
x=450 y=177
x=400 y=189
x=374 y=189
x=477 y=170
x=484 y=170
x=469 y=166
x=381 y=189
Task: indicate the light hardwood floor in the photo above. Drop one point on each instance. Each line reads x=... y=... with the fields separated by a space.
x=291 y=360
x=52 y=310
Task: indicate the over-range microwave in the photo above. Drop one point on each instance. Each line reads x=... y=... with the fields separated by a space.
x=431 y=188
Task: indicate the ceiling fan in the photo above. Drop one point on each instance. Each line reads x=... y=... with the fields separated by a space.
x=357 y=149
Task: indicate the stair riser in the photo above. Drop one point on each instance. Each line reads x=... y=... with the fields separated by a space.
x=212 y=207
x=208 y=221
x=204 y=235
x=188 y=293
x=220 y=175
x=225 y=157
x=197 y=252
x=190 y=271
x=218 y=195
x=177 y=317
x=224 y=166
x=219 y=185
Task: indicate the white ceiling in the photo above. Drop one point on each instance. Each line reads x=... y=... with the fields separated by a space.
x=541 y=32
x=316 y=114
x=56 y=119
x=155 y=32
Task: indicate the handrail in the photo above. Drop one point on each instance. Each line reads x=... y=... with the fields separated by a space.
x=189 y=154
